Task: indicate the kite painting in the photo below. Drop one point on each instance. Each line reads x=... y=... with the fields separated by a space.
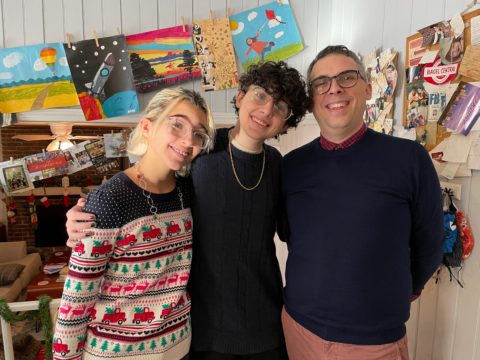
x=214 y=49
x=103 y=78
x=162 y=58
x=268 y=32
x=35 y=77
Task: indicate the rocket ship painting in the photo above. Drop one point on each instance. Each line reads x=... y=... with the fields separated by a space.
x=95 y=87
x=103 y=77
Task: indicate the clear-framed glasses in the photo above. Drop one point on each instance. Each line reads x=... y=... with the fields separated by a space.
x=346 y=79
x=280 y=108
x=181 y=127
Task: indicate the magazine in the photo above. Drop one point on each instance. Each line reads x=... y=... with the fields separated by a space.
x=463 y=109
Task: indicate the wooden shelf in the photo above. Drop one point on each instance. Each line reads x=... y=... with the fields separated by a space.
x=55 y=191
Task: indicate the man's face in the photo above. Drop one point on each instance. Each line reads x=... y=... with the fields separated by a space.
x=339 y=111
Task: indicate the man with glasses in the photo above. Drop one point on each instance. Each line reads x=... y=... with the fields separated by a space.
x=365 y=225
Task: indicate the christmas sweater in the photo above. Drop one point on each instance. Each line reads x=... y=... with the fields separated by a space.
x=125 y=294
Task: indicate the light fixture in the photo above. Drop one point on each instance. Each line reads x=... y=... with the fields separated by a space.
x=59 y=145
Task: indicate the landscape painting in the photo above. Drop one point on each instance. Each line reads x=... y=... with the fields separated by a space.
x=35 y=77
x=162 y=58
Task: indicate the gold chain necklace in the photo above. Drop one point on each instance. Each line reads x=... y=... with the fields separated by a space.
x=148 y=195
x=235 y=171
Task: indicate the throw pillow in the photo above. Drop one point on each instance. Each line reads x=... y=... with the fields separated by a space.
x=9 y=273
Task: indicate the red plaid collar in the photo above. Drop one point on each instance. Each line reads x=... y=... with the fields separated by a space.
x=328 y=145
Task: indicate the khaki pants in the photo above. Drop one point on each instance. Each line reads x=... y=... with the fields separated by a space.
x=305 y=345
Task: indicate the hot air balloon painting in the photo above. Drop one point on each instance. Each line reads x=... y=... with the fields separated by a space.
x=35 y=77
x=49 y=57
x=103 y=77
x=268 y=32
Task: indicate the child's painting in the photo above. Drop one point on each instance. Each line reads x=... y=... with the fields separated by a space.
x=268 y=32
x=162 y=58
x=35 y=77
x=214 y=49
x=103 y=77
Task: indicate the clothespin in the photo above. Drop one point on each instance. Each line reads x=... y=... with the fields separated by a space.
x=211 y=17
x=11 y=159
x=183 y=23
x=118 y=30
x=96 y=38
x=228 y=12
x=67 y=37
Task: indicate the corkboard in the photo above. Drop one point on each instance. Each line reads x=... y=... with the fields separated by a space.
x=441 y=131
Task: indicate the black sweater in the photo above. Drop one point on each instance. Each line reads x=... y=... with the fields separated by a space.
x=235 y=282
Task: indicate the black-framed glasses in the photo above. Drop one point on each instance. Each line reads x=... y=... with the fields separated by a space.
x=181 y=127
x=280 y=108
x=346 y=79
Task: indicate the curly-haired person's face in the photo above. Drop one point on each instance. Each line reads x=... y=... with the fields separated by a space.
x=258 y=121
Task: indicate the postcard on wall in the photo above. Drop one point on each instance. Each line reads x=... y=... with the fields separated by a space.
x=463 y=109
x=103 y=77
x=214 y=49
x=415 y=51
x=417 y=104
x=46 y=164
x=434 y=33
x=96 y=151
x=268 y=32
x=470 y=65
x=82 y=159
x=35 y=77
x=451 y=50
x=162 y=58
x=14 y=176
x=115 y=144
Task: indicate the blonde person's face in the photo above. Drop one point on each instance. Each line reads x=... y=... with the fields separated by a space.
x=177 y=140
x=339 y=111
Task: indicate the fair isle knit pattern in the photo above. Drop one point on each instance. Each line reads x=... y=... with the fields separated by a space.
x=125 y=295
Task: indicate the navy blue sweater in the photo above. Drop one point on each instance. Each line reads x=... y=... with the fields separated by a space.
x=365 y=234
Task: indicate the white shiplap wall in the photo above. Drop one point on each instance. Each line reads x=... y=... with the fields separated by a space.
x=445 y=322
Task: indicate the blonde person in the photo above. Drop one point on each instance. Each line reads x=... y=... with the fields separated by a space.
x=125 y=295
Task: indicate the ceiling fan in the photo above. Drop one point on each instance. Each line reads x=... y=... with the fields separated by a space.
x=61 y=136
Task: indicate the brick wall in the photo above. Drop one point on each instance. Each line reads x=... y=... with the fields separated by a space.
x=23 y=230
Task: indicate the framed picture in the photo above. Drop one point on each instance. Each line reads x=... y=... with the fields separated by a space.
x=14 y=177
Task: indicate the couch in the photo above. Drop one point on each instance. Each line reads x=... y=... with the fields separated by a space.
x=12 y=253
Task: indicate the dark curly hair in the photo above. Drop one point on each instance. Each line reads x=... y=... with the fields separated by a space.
x=282 y=82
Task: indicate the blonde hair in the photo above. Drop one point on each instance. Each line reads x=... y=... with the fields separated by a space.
x=157 y=110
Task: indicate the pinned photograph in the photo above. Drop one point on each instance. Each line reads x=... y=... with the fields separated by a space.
x=115 y=144
x=434 y=33
x=14 y=177
x=451 y=50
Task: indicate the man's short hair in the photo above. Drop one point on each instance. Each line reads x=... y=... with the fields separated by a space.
x=338 y=50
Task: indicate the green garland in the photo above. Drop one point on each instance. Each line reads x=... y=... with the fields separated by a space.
x=42 y=314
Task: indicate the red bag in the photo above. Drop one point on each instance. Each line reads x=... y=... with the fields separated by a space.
x=465 y=233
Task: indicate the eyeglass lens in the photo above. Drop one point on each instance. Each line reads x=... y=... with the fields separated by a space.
x=181 y=128
x=281 y=108
x=345 y=79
